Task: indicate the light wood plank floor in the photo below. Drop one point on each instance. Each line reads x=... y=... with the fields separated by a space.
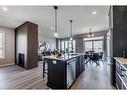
x=15 y=77
x=94 y=77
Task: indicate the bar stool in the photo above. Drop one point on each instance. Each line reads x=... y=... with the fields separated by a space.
x=45 y=69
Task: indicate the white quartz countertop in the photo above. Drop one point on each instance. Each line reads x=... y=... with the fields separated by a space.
x=64 y=57
x=121 y=60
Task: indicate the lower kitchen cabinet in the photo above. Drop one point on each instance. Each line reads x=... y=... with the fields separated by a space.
x=120 y=76
x=80 y=66
x=63 y=73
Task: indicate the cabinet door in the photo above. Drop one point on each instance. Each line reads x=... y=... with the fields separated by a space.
x=56 y=74
x=77 y=67
x=82 y=65
x=71 y=69
x=118 y=81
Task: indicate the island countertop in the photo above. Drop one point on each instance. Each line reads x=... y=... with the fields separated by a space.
x=64 y=57
x=121 y=60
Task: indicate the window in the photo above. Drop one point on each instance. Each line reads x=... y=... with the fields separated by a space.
x=88 y=46
x=59 y=44
x=94 y=44
x=62 y=45
x=67 y=45
x=74 y=45
x=70 y=47
x=2 y=44
x=98 y=46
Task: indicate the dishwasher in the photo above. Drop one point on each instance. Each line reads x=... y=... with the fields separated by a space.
x=71 y=72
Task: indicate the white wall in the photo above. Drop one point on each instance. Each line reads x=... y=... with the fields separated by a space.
x=9 y=46
x=51 y=41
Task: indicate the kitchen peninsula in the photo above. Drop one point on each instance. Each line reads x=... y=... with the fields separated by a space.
x=63 y=71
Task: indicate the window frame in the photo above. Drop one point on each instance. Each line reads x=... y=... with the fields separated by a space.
x=99 y=38
x=3 y=45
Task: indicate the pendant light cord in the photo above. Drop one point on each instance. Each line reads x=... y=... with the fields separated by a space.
x=55 y=7
x=90 y=31
x=71 y=27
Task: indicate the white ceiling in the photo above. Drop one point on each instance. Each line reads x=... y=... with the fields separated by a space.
x=82 y=17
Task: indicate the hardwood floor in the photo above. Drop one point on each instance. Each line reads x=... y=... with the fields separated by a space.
x=15 y=77
x=94 y=77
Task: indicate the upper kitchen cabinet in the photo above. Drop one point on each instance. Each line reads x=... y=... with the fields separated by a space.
x=119 y=30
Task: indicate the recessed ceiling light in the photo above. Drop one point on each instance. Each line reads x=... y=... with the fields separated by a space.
x=94 y=12
x=5 y=9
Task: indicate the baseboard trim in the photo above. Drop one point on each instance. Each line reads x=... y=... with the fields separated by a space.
x=5 y=65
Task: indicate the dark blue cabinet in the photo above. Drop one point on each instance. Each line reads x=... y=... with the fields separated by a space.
x=63 y=73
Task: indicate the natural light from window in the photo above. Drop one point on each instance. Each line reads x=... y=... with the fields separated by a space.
x=93 y=44
x=1 y=44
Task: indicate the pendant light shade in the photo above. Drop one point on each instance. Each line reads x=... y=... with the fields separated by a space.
x=55 y=32
x=71 y=38
x=90 y=35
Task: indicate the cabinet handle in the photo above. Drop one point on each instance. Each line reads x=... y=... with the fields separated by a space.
x=122 y=75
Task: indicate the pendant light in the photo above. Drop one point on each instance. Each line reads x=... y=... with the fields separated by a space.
x=90 y=35
x=55 y=33
x=71 y=38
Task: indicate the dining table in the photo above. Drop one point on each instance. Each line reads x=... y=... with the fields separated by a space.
x=89 y=57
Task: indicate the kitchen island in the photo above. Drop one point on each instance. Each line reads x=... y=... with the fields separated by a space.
x=63 y=71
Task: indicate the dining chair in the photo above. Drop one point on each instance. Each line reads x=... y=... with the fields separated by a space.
x=101 y=56
x=95 y=58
